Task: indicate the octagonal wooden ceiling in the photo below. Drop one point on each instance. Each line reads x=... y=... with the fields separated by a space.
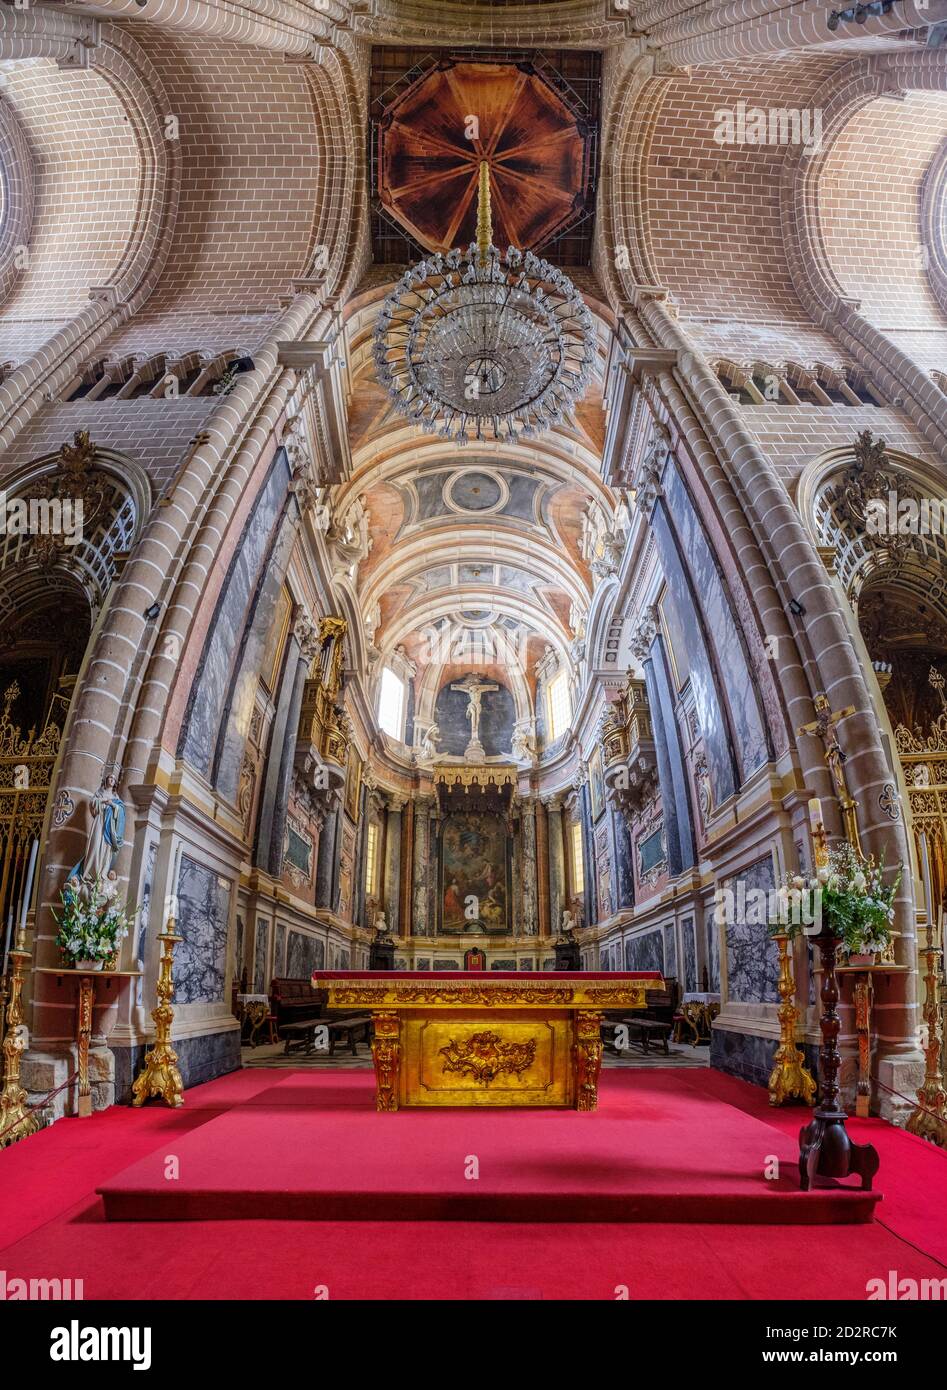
x=432 y=139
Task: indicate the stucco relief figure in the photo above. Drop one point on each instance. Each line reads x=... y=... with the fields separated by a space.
x=521 y=745
x=105 y=837
x=428 y=750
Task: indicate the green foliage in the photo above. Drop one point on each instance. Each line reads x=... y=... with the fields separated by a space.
x=91 y=924
x=848 y=898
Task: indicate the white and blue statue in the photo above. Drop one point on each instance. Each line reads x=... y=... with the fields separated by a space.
x=105 y=838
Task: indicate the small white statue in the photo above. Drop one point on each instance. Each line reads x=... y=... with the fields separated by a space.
x=568 y=923
x=521 y=744
x=381 y=926
x=428 y=749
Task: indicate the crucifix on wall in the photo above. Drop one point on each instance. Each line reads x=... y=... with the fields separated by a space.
x=824 y=727
x=474 y=687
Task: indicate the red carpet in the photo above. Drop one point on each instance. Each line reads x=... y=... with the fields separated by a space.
x=312 y=1146
x=52 y=1224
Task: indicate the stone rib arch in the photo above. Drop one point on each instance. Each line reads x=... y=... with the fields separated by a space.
x=122 y=65
x=813 y=274
x=16 y=197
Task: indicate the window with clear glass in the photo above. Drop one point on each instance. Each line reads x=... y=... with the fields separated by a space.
x=578 y=864
x=560 y=709
x=391 y=703
x=371 y=861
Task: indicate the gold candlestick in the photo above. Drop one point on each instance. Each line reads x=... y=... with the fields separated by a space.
x=16 y=1121
x=790 y=1078
x=160 y=1075
x=929 y=1117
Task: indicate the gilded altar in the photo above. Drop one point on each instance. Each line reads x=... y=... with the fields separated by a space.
x=499 y=1039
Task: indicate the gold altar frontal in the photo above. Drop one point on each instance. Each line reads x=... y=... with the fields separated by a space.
x=495 y=1039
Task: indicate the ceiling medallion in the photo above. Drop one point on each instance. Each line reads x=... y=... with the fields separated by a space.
x=475 y=345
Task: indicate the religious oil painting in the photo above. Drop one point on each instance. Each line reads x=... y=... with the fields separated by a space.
x=474 y=875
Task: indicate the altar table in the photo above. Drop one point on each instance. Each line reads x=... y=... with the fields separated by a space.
x=499 y=1038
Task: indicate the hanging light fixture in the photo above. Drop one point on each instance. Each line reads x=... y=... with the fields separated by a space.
x=473 y=344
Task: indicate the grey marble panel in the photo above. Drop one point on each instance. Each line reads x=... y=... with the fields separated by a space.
x=211 y=688
x=238 y=948
x=690 y=955
x=228 y=757
x=670 y=951
x=503 y=965
x=733 y=667
x=200 y=1059
x=752 y=960
x=446 y=964
x=751 y=1057
x=679 y=597
x=261 y=955
x=279 y=949
x=713 y=952
x=645 y=951
x=304 y=954
x=203 y=916
x=675 y=798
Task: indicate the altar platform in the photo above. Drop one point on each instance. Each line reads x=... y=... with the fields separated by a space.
x=660 y=1148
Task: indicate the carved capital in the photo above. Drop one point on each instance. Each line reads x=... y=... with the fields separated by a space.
x=645 y=631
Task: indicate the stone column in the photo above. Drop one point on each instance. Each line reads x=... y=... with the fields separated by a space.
x=391 y=891
x=557 y=863
x=624 y=876
x=542 y=869
x=422 y=857
x=407 y=869
x=325 y=855
x=528 y=861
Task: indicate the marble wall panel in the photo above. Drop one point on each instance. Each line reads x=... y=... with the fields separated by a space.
x=200 y=961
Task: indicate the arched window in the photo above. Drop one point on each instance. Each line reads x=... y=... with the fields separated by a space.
x=558 y=705
x=578 y=861
x=392 y=703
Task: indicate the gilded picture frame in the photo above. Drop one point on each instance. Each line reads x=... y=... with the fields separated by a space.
x=353 y=785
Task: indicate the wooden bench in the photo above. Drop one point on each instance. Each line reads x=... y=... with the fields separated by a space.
x=648 y=1028
x=302 y=1035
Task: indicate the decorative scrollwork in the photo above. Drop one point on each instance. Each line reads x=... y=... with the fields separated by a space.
x=485 y=1056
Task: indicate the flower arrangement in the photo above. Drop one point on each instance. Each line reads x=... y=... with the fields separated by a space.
x=847 y=897
x=92 y=922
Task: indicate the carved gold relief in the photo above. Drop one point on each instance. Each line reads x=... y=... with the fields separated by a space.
x=485 y=1056
x=323 y=723
x=344 y=994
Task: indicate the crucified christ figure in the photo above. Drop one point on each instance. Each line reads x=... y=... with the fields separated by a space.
x=474 y=687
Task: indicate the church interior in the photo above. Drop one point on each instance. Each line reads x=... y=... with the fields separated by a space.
x=473 y=649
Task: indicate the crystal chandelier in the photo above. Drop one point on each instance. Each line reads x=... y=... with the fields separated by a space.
x=475 y=345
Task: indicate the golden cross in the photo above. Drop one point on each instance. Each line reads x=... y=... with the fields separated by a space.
x=824 y=727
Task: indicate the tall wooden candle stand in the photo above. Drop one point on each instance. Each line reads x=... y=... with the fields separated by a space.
x=825 y=1149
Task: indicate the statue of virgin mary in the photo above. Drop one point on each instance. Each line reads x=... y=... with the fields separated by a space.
x=105 y=838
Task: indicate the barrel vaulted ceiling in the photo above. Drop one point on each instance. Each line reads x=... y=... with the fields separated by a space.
x=484 y=539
